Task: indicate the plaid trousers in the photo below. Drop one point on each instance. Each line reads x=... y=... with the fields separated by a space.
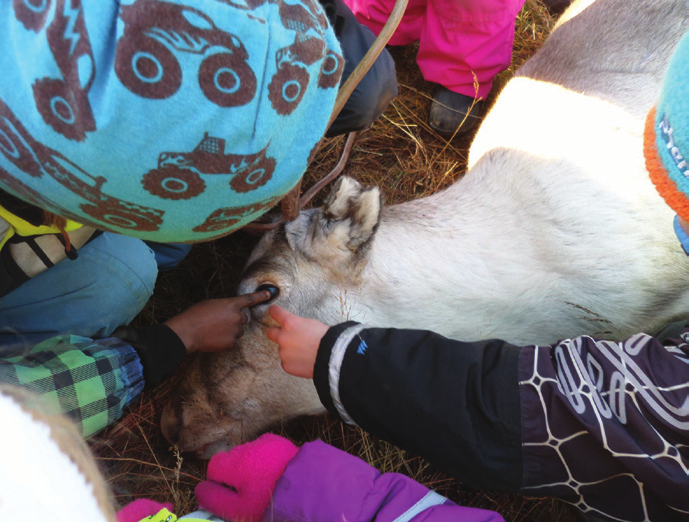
x=89 y=381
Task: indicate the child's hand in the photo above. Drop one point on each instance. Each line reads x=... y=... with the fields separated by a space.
x=214 y=324
x=240 y=482
x=141 y=509
x=298 y=339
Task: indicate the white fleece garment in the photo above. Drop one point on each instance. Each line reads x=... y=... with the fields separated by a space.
x=37 y=481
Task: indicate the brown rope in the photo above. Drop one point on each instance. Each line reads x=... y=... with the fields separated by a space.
x=262 y=226
x=291 y=203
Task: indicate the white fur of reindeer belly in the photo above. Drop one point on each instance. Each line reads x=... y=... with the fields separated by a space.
x=557 y=232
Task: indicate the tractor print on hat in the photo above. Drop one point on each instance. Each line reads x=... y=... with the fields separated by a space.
x=63 y=102
x=178 y=175
x=145 y=60
x=227 y=218
x=288 y=85
x=164 y=120
x=36 y=160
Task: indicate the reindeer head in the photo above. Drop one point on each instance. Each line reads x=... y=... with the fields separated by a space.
x=224 y=399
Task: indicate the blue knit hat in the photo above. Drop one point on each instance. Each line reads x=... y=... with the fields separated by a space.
x=666 y=137
x=177 y=120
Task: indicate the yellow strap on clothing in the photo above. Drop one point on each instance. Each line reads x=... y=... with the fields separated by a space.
x=24 y=228
x=161 y=516
x=165 y=516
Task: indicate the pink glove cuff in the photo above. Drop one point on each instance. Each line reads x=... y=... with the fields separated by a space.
x=241 y=481
x=140 y=509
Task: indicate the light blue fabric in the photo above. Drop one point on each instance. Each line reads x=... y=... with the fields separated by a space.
x=170 y=121
x=169 y=255
x=672 y=115
x=431 y=499
x=681 y=235
x=202 y=515
x=105 y=287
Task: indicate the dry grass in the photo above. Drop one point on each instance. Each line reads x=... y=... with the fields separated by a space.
x=401 y=154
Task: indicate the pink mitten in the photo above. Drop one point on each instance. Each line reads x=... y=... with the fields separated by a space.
x=140 y=509
x=241 y=481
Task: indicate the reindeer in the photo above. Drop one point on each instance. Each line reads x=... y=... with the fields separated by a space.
x=554 y=231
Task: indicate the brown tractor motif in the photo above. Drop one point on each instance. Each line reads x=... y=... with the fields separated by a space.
x=37 y=160
x=145 y=59
x=63 y=102
x=228 y=217
x=178 y=175
x=289 y=83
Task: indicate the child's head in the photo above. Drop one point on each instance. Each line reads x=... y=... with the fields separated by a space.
x=666 y=138
x=47 y=471
x=192 y=120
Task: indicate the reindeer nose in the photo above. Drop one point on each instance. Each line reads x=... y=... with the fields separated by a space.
x=272 y=289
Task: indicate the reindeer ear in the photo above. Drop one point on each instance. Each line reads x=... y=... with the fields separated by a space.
x=341 y=227
x=352 y=210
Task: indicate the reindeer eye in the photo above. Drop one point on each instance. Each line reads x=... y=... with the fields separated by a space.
x=272 y=289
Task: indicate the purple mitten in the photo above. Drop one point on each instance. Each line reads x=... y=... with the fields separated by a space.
x=241 y=481
x=140 y=509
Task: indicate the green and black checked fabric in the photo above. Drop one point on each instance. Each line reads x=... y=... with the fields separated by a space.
x=89 y=381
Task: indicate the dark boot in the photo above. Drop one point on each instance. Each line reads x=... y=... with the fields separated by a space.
x=453 y=114
x=556 y=7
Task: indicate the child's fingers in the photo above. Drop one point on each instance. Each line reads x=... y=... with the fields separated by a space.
x=290 y=324
x=246 y=300
x=278 y=313
x=273 y=333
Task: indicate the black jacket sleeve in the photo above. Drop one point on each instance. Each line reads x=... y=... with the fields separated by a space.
x=454 y=403
x=600 y=424
x=160 y=350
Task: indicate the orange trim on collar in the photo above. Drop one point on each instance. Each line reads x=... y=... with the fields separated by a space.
x=676 y=199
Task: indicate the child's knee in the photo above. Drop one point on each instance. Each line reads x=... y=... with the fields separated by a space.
x=126 y=272
x=169 y=255
x=128 y=262
x=107 y=285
